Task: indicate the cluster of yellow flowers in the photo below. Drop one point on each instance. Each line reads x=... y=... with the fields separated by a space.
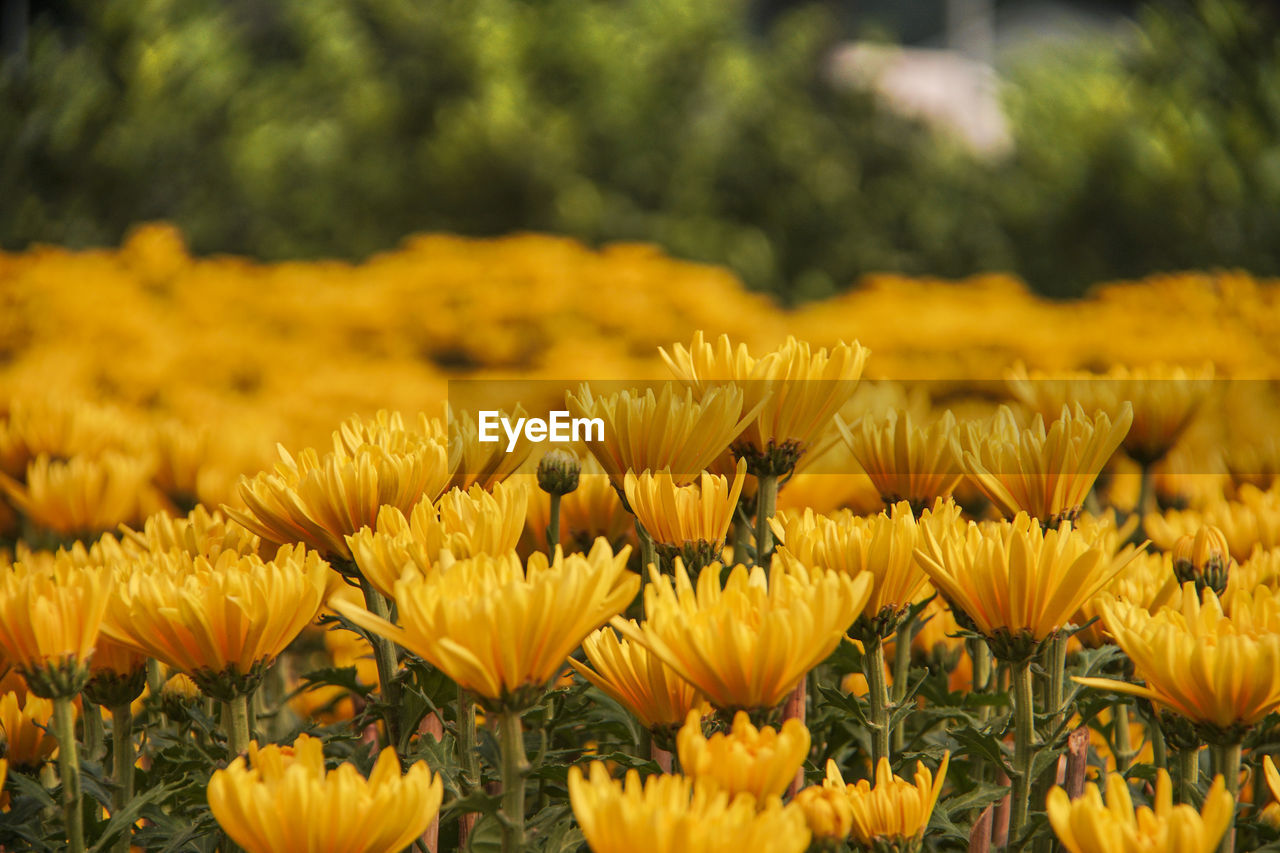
x=1060 y=546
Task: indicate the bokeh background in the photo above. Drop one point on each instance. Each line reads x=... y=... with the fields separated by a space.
x=802 y=145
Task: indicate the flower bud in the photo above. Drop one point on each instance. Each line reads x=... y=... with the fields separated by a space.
x=827 y=812
x=1203 y=558
x=558 y=472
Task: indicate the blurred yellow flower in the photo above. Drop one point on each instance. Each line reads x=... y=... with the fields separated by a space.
x=1147 y=581
x=1046 y=473
x=49 y=623
x=1204 y=559
x=483 y=463
x=1271 y=814
x=795 y=391
x=1088 y=825
x=199 y=533
x=320 y=500
x=674 y=814
x=880 y=547
x=747 y=644
x=827 y=811
x=762 y=762
x=1015 y=581
x=499 y=629
x=906 y=462
x=285 y=802
x=27 y=730
x=80 y=496
x=462 y=523
x=692 y=519
x=668 y=431
x=640 y=682
x=1249 y=521
x=892 y=810
x=220 y=621
x=1217 y=666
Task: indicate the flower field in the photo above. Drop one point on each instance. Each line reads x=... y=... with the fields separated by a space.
x=926 y=566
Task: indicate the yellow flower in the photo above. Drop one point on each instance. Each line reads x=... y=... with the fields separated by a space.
x=1088 y=825
x=748 y=644
x=795 y=391
x=483 y=463
x=58 y=428
x=636 y=679
x=1148 y=581
x=117 y=673
x=28 y=733
x=285 y=802
x=1203 y=558
x=1046 y=473
x=674 y=814
x=905 y=461
x=462 y=523
x=49 y=623
x=1015 y=581
x=220 y=621
x=1164 y=398
x=1271 y=814
x=893 y=810
x=80 y=497
x=500 y=630
x=761 y=762
x=320 y=500
x=827 y=811
x=1220 y=670
x=1249 y=521
x=880 y=547
x=199 y=533
x=693 y=516
x=667 y=431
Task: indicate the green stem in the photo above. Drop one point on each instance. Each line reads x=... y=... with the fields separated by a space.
x=901 y=675
x=515 y=767
x=740 y=538
x=1057 y=682
x=64 y=726
x=95 y=738
x=235 y=719
x=1159 y=749
x=1024 y=748
x=553 y=525
x=1188 y=775
x=878 y=697
x=766 y=500
x=467 y=740
x=1226 y=761
x=123 y=759
x=1122 y=740
x=1146 y=501
x=648 y=551
x=384 y=655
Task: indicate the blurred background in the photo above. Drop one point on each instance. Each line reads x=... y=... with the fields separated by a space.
x=802 y=144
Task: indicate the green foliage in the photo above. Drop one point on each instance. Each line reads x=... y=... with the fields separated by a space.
x=307 y=128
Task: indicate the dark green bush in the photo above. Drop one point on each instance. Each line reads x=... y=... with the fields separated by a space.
x=335 y=127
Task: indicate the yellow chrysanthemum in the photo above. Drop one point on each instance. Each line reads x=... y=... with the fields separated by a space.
x=685 y=517
x=827 y=811
x=27 y=730
x=49 y=623
x=1045 y=472
x=1203 y=558
x=664 y=431
x=499 y=629
x=1217 y=667
x=483 y=463
x=761 y=762
x=1250 y=521
x=796 y=391
x=285 y=802
x=320 y=500
x=1261 y=569
x=747 y=644
x=220 y=621
x=1015 y=581
x=462 y=523
x=80 y=496
x=674 y=814
x=1164 y=398
x=1088 y=825
x=881 y=547
x=1271 y=814
x=906 y=462
x=1148 y=582
x=199 y=533
x=640 y=682
x=58 y=428
x=893 y=810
